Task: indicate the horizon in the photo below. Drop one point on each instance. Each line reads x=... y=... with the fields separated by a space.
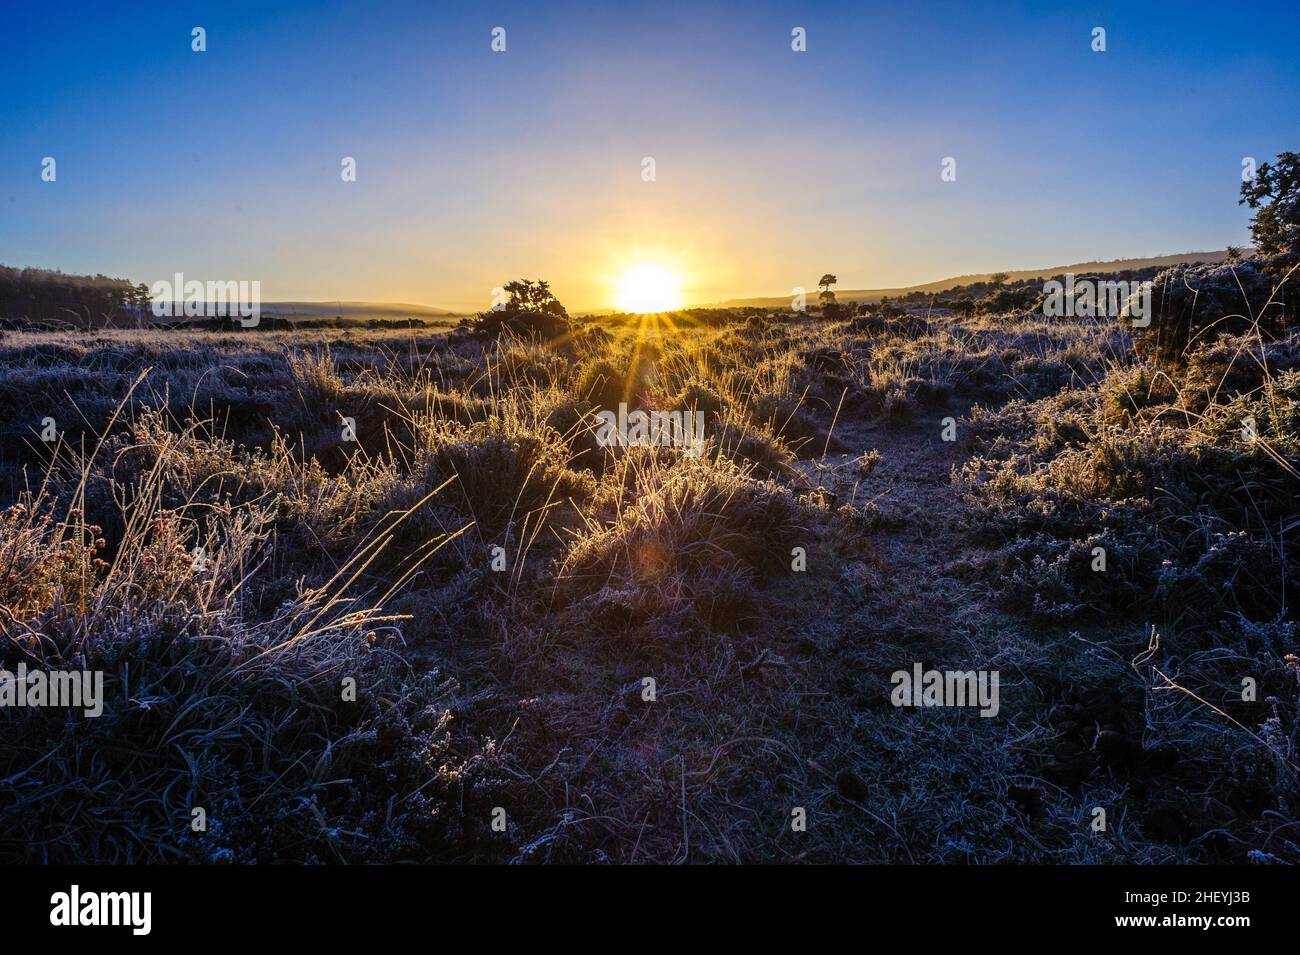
x=954 y=280
x=475 y=167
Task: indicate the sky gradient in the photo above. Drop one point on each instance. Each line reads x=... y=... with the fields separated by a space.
x=474 y=167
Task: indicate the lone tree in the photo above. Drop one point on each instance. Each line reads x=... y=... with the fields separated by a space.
x=1274 y=194
x=529 y=296
x=830 y=307
x=531 y=311
x=998 y=279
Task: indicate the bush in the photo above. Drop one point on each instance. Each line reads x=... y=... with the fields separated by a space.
x=502 y=473
x=601 y=382
x=694 y=532
x=506 y=322
x=1197 y=304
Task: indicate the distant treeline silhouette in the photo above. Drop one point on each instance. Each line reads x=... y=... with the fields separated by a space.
x=45 y=295
x=48 y=299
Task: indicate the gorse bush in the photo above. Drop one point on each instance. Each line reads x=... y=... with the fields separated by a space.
x=1197 y=304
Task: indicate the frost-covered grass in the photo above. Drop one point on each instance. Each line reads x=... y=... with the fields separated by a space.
x=429 y=520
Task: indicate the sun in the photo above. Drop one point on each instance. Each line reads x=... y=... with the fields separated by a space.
x=647 y=288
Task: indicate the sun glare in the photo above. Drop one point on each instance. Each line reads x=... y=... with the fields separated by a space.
x=648 y=288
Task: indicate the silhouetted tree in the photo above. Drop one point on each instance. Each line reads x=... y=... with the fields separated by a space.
x=1275 y=195
x=531 y=310
x=528 y=296
x=830 y=308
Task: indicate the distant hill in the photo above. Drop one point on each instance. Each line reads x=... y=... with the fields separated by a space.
x=36 y=296
x=355 y=311
x=875 y=295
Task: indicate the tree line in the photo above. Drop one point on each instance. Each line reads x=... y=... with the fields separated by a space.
x=48 y=295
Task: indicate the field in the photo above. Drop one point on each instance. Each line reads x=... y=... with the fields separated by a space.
x=381 y=595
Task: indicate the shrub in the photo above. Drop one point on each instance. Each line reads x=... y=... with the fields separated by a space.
x=530 y=312
x=509 y=322
x=603 y=383
x=687 y=528
x=1199 y=303
x=503 y=473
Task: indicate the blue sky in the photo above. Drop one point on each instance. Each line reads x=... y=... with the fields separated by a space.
x=476 y=167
